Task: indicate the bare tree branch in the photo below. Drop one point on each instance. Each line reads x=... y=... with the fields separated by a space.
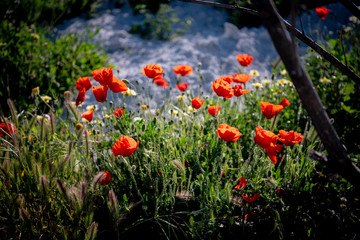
x=338 y=159
x=300 y=35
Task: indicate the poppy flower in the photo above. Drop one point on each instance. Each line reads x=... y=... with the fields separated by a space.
x=222 y=88
x=105 y=178
x=244 y=60
x=250 y=217
x=81 y=97
x=152 y=71
x=214 y=110
x=290 y=138
x=227 y=78
x=267 y=140
x=119 y=112
x=182 y=87
x=117 y=86
x=197 y=102
x=160 y=81
x=284 y=103
x=83 y=82
x=6 y=128
x=125 y=146
x=88 y=115
x=242 y=78
x=100 y=93
x=270 y=110
x=227 y=133
x=322 y=12
x=240 y=183
x=239 y=90
x=103 y=76
x=183 y=70
x=250 y=199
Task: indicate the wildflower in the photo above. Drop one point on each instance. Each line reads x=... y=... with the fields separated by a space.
x=325 y=80
x=182 y=87
x=183 y=70
x=290 y=138
x=266 y=82
x=103 y=76
x=250 y=199
x=181 y=97
x=227 y=133
x=35 y=35
x=270 y=110
x=117 y=85
x=284 y=102
x=160 y=81
x=283 y=72
x=191 y=109
x=105 y=178
x=88 y=115
x=242 y=78
x=100 y=93
x=118 y=112
x=322 y=12
x=197 y=102
x=152 y=71
x=282 y=82
x=174 y=112
x=46 y=99
x=144 y=107
x=135 y=119
x=238 y=90
x=78 y=126
x=267 y=140
x=107 y=116
x=257 y=85
x=279 y=93
x=240 y=183
x=227 y=78
x=354 y=19
x=244 y=60
x=125 y=146
x=6 y=128
x=83 y=82
x=81 y=97
x=35 y=91
x=91 y=108
x=129 y=92
x=254 y=73
x=250 y=217
x=214 y=110
x=222 y=88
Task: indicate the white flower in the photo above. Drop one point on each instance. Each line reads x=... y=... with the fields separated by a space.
x=46 y=98
x=254 y=73
x=129 y=92
x=91 y=108
x=325 y=80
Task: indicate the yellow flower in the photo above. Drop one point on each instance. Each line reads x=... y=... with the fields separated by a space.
x=325 y=80
x=78 y=126
x=107 y=116
x=35 y=91
x=254 y=73
x=84 y=120
x=191 y=109
x=283 y=72
x=174 y=112
x=31 y=138
x=278 y=93
x=144 y=107
x=91 y=108
x=35 y=35
x=181 y=97
x=257 y=85
x=129 y=92
x=46 y=98
x=266 y=82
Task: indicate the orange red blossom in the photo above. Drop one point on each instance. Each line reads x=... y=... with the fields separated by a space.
x=222 y=88
x=197 y=102
x=268 y=141
x=183 y=70
x=152 y=71
x=214 y=110
x=244 y=60
x=125 y=146
x=227 y=133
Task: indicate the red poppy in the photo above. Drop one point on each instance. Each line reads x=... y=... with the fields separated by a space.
x=240 y=183
x=182 y=87
x=6 y=128
x=322 y=12
x=290 y=138
x=239 y=90
x=242 y=78
x=183 y=70
x=269 y=110
x=105 y=178
x=227 y=78
x=214 y=110
x=251 y=217
x=222 y=88
x=227 y=133
x=160 y=81
x=81 y=97
x=152 y=71
x=118 y=112
x=117 y=85
x=250 y=199
x=88 y=115
x=125 y=146
x=284 y=103
x=244 y=60
x=197 y=102
x=103 y=76
x=100 y=93
x=83 y=82
x=267 y=140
